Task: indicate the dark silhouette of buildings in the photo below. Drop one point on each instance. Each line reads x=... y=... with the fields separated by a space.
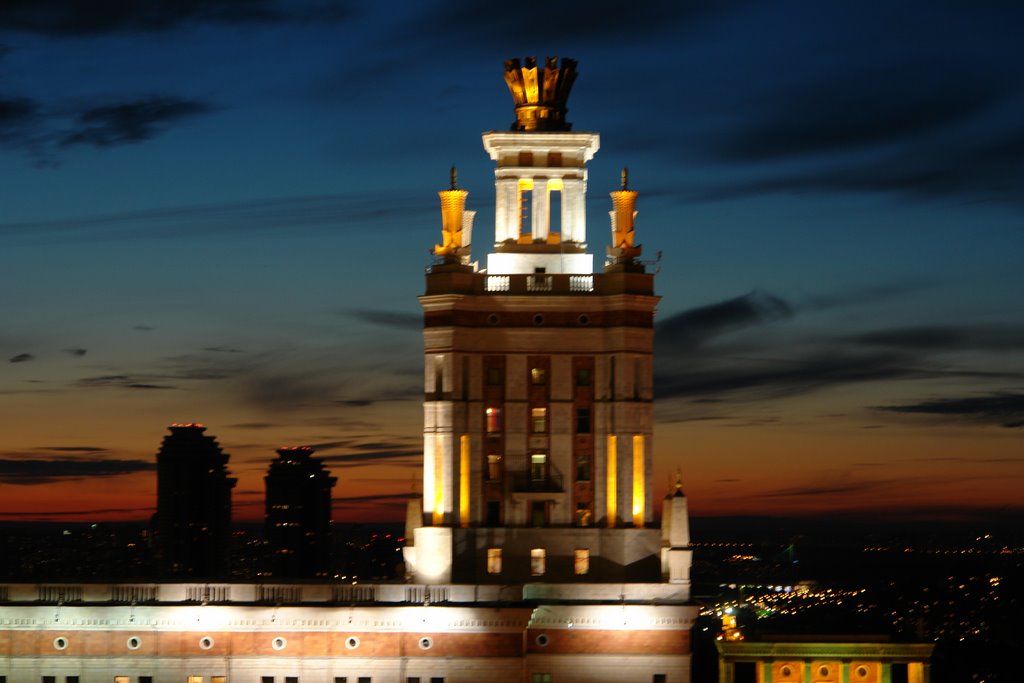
x=298 y=514
x=193 y=508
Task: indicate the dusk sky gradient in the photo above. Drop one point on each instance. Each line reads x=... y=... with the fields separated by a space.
x=221 y=210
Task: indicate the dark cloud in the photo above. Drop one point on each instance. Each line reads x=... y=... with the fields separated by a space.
x=849 y=111
x=121 y=381
x=222 y=349
x=382 y=498
x=355 y=402
x=697 y=325
x=130 y=122
x=394 y=319
x=22 y=358
x=15 y=114
x=253 y=425
x=58 y=18
x=76 y=351
x=88 y=514
x=1002 y=409
x=946 y=338
x=71 y=449
x=290 y=215
x=29 y=471
x=991 y=171
x=567 y=21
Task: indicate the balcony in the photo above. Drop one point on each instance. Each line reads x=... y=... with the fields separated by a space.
x=525 y=482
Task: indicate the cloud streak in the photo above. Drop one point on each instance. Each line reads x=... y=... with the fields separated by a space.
x=33 y=471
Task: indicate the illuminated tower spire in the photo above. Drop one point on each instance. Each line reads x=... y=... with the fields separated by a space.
x=540 y=180
x=456 y=224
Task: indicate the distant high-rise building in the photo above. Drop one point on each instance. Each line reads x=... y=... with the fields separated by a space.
x=193 y=507
x=298 y=514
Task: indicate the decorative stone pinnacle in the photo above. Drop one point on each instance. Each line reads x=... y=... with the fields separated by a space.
x=540 y=94
x=625 y=177
x=454 y=177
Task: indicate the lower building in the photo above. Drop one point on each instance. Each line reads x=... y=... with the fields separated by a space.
x=823 y=659
x=330 y=633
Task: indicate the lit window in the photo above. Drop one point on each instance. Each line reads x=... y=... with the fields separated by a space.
x=538 y=561
x=493 y=420
x=583 y=514
x=493 y=467
x=583 y=420
x=581 y=561
x=538 y=466
x=538 y=376
x=218 y=679
x=582 y=467
x=195 y=679
x=122 y=679
x=539 y=420
x=494 y=560
x=583 y=377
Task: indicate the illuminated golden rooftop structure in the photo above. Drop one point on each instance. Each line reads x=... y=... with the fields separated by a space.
x=456 y=224
x=540 y=176
x=541 y=94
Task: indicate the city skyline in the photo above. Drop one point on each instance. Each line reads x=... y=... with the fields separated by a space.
x=221 y=213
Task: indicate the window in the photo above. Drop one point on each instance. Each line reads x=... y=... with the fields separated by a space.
x=581 y=561
x=218 y=679
x=291 y=679
x=412 y=679
x=582 y=467
x=494 y=377
x=538 y=466
x=583 y=377
x=539 y=420
x=583 y=420
x=71 y=679
x=364 y=679
x=541 y=678
x=191 y=679
x=145 y=679
x=659 y=678
x=493 y=467
x=270 y=679
x=493 y=420
x=49 y=679
x=538 y=561
x=583 y=514
x=538 y=513
x=538 y=376
x=122 y=679
x=494 y=560
x=493 y=513
x=341 y=679
x=437 y=679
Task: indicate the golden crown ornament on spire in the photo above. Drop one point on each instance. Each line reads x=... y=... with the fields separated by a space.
x=623 y=216
x=456 y=223
x=540 y=94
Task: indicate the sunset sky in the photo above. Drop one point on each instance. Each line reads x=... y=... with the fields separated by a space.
x=221 y=210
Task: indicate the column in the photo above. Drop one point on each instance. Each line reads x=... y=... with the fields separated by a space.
x=886 y=672
x=844 y=671
x=574 y=218
x=540 y=218
x=506 y=209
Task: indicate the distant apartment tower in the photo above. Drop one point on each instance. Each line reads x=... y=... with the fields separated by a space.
x=193 y=510
x=298 y=514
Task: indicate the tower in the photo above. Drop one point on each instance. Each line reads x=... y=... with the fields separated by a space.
x=298 y=514
x=537 y=425
x=193 y=517
x=538 y=371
